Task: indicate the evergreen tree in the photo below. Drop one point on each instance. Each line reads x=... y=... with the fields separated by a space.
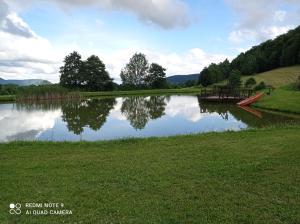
x=234 y=79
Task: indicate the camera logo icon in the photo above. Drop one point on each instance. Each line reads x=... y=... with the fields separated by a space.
x=15 y=209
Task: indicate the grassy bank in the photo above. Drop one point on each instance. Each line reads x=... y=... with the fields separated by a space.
x=143 y=92
x=7 y=98
x=233 y=177
x=282 y=99
x=192 y=90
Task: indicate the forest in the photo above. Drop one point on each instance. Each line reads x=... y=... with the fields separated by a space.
x=280 y=52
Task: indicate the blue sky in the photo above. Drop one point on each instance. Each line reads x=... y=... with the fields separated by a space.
x=183 y=36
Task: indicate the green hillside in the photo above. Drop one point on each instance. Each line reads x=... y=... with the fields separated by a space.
x=277 y=77
x=281 y=52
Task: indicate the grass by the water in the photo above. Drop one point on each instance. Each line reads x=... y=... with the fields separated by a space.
x=234 y=177
x=283 y=99
x=7 y=98
x=190 y=90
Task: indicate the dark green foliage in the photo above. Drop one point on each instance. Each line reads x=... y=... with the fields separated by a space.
x=94 y=75
x=234 y=79
x=156 y=78
x=71 y=71
x=280 y=52
x=86 y=75
x=190 y=83
x=8 y=89
x=250 y=82
x=135 y=72
x=260 y=86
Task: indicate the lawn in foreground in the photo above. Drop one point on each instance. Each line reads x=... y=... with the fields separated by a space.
x=282 y=99
x=235 y=177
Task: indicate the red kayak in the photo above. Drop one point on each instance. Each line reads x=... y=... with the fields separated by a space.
x=250 y=100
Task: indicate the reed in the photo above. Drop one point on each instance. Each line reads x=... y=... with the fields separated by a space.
x=46 y=92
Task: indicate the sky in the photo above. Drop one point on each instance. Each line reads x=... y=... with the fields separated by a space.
x=184 y=36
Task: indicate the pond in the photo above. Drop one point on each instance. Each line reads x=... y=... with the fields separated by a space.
x=123 y=117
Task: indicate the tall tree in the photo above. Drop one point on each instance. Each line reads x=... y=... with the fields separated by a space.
x=135 y=71
x=234 y=79
x=156 y=77
x=94 y=75
x=71 y=71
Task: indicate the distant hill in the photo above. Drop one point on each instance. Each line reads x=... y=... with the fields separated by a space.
x=181 y=79
x=25 y=82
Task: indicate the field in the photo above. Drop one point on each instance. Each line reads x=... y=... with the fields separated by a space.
x=278 y=77
x=233 y=177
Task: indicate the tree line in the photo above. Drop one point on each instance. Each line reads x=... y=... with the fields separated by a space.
x=280 y=52
x=92 y=75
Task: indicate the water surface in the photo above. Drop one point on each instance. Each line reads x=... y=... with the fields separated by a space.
x=123 y=117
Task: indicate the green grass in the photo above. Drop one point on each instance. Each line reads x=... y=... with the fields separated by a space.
x=282 y=99
x=191 y=90
x=7 y=98
x=234 y=177
x=278 y=77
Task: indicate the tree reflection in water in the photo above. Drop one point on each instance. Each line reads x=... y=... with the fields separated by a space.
x=139 y=110
x=86 y=113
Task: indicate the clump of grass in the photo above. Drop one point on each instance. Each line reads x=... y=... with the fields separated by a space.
x=46 y=92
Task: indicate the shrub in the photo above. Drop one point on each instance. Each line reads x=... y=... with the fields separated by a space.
x=260 y=86
x=250 y=82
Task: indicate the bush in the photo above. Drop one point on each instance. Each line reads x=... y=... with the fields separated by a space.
x=250 y=82
x=260 y=86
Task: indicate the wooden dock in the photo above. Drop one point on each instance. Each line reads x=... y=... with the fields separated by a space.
x=225 y=94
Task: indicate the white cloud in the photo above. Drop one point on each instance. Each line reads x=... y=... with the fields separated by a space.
x=26 y=124
x=259 y=20
x=24 y=54
x=167 y=14
x=184 y=106
x=262 y=34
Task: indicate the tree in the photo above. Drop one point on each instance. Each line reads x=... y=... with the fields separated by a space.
x=71 y=72
x=250 y=82
x=156 y=77
x=94 y=75
x=234 y=79
x=135 y=71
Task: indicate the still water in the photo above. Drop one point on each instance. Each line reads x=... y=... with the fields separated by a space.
x=123 y=117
